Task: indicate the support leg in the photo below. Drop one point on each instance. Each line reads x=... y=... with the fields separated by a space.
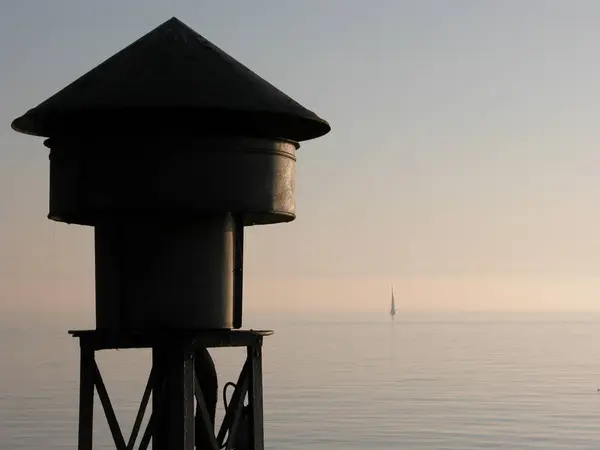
x=255 y=396
x=174 y=428
x=86 y=397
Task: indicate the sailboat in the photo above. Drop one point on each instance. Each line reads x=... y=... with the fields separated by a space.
x=393 y=307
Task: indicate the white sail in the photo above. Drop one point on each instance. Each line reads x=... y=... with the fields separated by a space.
x=393 y=307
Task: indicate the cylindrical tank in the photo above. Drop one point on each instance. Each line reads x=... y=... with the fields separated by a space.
x=120 y=177
x=165 y=274
x=164 y=213
x=169 y=148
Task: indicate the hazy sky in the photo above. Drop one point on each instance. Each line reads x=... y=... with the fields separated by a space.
x=463 y=164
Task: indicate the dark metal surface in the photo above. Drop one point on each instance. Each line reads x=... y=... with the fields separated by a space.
x=164 y=234
x=174 y=383
x=171 y=178
x=86 y=398
x=175 y=428
x=238 y=272
x=104 y=340
x=164 y=275
x=172 y=78
x=255 y=397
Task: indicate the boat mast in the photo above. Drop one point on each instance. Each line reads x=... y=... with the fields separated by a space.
x=393 y=307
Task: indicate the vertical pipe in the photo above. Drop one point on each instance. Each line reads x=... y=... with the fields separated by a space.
x=238 y=270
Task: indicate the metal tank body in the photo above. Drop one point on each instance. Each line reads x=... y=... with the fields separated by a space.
x=181 y=177
x=165 y=216
x=169 y=149
x=165 y=274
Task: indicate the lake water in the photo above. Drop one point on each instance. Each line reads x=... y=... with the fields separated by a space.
x=426 y=382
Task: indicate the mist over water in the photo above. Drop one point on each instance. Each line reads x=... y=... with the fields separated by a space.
x=444 y=381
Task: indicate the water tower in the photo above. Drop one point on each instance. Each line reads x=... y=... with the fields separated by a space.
x=169 y=149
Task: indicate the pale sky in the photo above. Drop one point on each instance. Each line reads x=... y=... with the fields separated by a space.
x=463 y=163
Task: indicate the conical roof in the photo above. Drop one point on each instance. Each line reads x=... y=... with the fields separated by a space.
x=172 y=78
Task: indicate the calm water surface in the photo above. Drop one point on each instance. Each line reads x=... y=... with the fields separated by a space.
x=426 y=382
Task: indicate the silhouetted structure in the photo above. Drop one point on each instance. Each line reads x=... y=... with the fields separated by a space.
x=169 y=149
